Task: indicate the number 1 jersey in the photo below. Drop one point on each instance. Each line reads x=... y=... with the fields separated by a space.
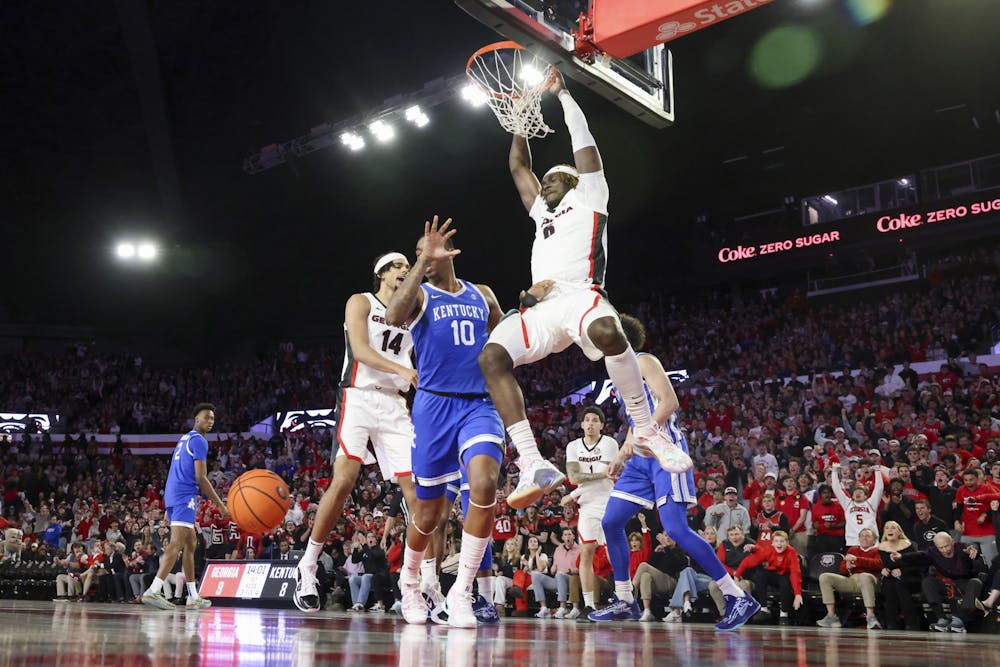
x=448 y=334
x=393 y=343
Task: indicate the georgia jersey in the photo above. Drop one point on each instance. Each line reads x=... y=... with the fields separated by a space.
x=593 y=459
x=393 y=343
x=571 y=242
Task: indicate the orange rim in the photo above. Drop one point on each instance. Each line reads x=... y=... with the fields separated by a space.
x=497 y=46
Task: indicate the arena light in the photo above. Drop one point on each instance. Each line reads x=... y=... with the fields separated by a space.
x=147 y=251
x=125 y=250
x=531 y=75
x=474 y=95
x=416 y=116
x=352 y=140
x=830 y=199
x=382 y=131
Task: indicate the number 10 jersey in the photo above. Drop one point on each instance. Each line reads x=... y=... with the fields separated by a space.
x=393 y=343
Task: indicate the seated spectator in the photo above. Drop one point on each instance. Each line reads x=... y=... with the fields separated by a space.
x=731 y=552
x=532 y=560
x=991 y=603
x=504 y=567
x=859 y=573
x=691 y=581
x=768 y=519
x=780 y=571
x=359 y=582
x=563 y=569
x=973 y=522
x=899 y=580
x=956 y=567
x=659 y=575
x=68 y=582
x=140 y=563
x=376 y=571
x=88 y=576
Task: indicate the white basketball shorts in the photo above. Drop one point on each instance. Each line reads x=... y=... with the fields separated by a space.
x=380 y=417
x=552 y=325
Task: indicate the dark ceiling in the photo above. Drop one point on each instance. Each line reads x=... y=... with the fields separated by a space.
x=277 y=253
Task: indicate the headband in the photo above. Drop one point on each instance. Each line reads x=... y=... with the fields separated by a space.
x=388 y=259
x=563 y=169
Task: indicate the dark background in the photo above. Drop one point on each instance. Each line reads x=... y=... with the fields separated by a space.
x=252 y=259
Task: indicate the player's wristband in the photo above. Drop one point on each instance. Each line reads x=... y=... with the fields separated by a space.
x=529 y=300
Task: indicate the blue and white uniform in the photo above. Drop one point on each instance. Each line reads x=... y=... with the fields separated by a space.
x=643 y=484
x=181 y=491
x=453 y=416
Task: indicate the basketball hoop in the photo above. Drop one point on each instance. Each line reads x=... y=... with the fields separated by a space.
x=513 y=81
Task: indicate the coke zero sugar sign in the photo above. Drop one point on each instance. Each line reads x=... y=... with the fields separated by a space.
x=903 y=221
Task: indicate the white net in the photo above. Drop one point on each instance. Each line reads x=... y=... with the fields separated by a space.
x=513 y=81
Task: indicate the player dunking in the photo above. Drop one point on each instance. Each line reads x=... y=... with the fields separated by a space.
x=377 y=367
x=570 y=211
x=188 y=474
x=641 y=484
x=454 y=420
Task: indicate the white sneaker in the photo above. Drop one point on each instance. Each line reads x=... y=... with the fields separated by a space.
x=543 y=613
x=157 y=600
x=197 y=603
x=536 y=479
x=306 y=596
x=460 y=613
x=560 y=613
x=413 y=605
x=435 y=601
x=673 y=617
x=647 y=616
x=573 y=614
x=378 y=608
x=653 y=441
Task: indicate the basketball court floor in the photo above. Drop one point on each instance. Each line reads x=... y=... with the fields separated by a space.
x=81 y=635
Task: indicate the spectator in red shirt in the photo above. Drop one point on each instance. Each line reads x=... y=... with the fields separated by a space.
x=828 y=523
x=859 y=572
x=780 y=571
x=794 y=504
x=972 y=500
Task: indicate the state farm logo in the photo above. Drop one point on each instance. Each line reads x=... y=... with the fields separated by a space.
x=671 y=29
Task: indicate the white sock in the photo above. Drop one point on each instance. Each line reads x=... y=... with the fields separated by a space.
x=783 y=614
x=156 y=586
x=410 y=572
x=311 y=557
x=623 y=590
x=729 y=587
x=428 y=572
x=485 y=586
x=623 y=369
x=523 y=439
x=588 y=599
x=687 y=606
x=469 y=559
x=192 y=591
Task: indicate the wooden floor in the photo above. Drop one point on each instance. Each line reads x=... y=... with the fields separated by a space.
x=80 y=635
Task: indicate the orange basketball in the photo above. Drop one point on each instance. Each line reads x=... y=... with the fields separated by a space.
x=258 y=501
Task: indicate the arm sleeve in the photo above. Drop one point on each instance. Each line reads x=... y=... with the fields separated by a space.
x=576 y=122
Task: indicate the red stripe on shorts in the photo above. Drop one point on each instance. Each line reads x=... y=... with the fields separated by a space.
x=524 y=331
x=340 y=424
x=597 y=300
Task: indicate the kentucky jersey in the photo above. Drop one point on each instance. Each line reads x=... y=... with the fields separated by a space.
x=571 y=242
x=393 y=343
x=449 y=332
x=182 y=485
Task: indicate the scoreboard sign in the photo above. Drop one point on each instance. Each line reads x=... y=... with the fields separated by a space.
x=249 y=581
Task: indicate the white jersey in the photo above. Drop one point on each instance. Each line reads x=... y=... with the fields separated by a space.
x=858 y=515
x=595 y=459
x=571 y=242
x=393 y=343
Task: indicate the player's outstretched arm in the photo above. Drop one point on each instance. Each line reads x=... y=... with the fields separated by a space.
x=659 y=385
x=356 y=319
x=525 y=180
x=585 y=154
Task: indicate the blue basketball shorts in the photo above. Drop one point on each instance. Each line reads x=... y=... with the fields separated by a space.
x=183 y=514
x=449 y=431
x=646 y=484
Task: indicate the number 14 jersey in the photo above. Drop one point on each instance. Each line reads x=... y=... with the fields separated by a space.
x=393 y=343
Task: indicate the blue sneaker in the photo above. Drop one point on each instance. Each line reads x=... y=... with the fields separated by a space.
x=738 y=611
x=617 y=610
x=485 y=612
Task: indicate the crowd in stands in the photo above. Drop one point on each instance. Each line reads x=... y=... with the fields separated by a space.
x=795 y=416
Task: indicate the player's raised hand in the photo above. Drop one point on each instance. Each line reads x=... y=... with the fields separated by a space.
x=436 y=240
x=556 y=82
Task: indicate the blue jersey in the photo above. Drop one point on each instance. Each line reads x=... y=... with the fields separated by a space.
x=181 y=482
x=448 y=334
